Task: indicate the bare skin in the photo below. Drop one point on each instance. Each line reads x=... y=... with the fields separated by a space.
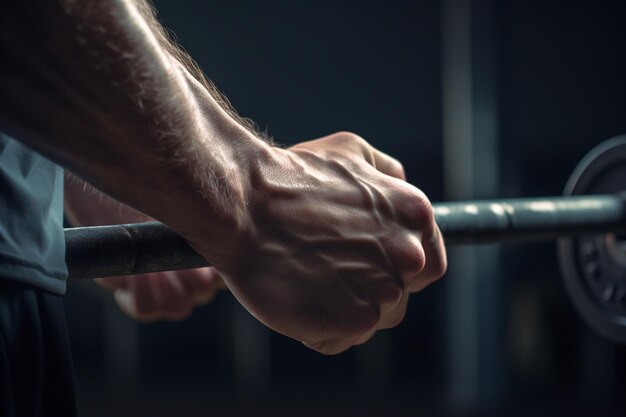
x=169 y=295
x=322 y=242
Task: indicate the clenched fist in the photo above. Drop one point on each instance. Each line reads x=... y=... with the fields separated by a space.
x=334 y=242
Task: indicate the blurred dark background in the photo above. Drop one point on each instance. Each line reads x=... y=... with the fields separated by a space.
x=478 y=99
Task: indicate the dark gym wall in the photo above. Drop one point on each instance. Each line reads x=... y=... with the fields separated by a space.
x=562 y=90
x=303 y=69
x=563 y=84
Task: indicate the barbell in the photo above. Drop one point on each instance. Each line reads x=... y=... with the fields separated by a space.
x=589 y=223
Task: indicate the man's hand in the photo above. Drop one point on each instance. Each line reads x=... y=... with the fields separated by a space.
x=164 y=295
x=336 y=242
x=322 y=242
x=170 y=295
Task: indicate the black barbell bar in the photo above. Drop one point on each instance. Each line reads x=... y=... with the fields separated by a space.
x=104 y=251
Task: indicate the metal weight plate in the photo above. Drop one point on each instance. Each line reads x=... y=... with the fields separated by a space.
x=594 y=266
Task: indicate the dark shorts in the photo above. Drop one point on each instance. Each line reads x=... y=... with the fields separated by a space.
x=36 y=376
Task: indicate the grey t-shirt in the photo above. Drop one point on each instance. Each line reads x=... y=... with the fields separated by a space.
x=32 y=243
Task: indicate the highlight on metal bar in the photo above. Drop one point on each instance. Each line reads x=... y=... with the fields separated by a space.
x=529 y=219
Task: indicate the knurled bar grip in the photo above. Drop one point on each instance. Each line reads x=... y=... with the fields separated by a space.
x=104 y=251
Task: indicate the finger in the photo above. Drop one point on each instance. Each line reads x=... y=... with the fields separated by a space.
x=411 y=206
x=175 y=302
x=394 y=317
x=201 y=284
x=417 y=214
x=436 y=259
x=388 y=320
x=153 y=297
x=387 y=164
x=364 y=338
x=407 y=256
x=138 y=300
x=377 y=288
x=113 y=283
x=378 y=159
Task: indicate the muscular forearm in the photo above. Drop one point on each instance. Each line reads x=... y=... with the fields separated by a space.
x=87 y=206
x=97 y=89
x=322 y=242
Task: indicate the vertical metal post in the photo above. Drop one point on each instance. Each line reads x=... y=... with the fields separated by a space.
x=470 y=171
x=251 y=353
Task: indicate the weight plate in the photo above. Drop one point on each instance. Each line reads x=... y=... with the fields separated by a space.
x=594 y=266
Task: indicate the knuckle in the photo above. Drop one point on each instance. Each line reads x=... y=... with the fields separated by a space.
x=421 y=211
x=439 y=269
x=353 y=140
x=395 y=317
x=397 y=168
x=437 y=261
x=347 y=136
x=413 y=206
x=416 y=260
x=410 y=259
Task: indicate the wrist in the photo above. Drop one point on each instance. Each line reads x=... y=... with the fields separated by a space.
x=219 y=221
x=210 y=171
